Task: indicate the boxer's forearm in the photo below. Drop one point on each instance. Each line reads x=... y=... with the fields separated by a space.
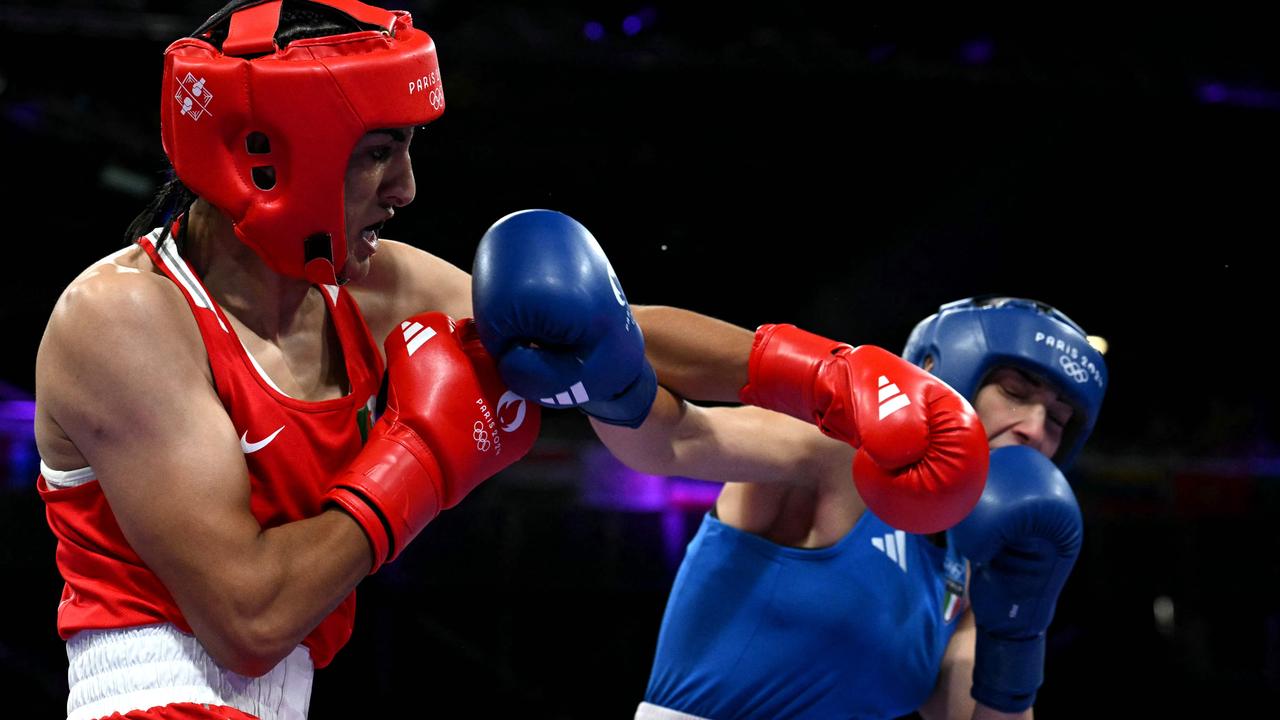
x=696 y=356
x=651 y=447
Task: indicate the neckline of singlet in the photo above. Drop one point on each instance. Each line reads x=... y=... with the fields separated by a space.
x=182 y=272
x=768 y=547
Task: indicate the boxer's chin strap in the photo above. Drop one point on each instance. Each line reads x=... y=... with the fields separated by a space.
x=318 y=266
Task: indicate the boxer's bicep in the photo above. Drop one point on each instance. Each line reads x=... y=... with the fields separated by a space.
x=128 y=384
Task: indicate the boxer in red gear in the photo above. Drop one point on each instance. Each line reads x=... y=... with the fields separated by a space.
x=202 y=390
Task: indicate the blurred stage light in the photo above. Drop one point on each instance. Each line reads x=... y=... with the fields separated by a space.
x=114 y=177
x=1162 y=609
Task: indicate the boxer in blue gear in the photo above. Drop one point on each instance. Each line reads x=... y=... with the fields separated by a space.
x=794 y=601
x=794 y=597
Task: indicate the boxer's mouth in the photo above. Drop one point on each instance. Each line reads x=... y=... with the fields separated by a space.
x=370 y=235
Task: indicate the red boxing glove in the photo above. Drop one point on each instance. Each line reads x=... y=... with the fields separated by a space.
x=450 y=424
x=923 y=454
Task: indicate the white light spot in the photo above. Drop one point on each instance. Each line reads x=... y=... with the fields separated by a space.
x=1162 y=608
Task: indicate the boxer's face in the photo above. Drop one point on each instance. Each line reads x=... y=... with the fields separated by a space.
x=1021 y=408
x=379 y=180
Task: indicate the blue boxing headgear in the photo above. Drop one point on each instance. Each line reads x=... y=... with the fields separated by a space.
x=967 y=339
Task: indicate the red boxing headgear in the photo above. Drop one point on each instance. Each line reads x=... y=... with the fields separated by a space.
x=265 y=133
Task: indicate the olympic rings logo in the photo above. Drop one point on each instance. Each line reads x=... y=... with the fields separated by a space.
x=1073 y=369
x=481 y=436
x=436 y=97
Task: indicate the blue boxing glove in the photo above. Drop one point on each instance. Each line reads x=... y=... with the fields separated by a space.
x=549 y=307
x=1021 y=539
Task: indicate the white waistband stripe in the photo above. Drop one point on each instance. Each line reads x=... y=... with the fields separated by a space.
x=654 y=712
x=63 y=479
x=138 y=668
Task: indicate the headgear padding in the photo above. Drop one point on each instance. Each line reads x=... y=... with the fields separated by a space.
x=265 y=133
x=967 y=339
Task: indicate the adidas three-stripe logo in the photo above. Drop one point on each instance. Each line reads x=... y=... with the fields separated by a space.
x=894 y=545
x=891 y=398
x=416 y=335
x=575 y=395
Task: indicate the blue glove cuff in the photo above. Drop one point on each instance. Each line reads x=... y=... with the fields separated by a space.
x=630 y=407
x=1007 y=673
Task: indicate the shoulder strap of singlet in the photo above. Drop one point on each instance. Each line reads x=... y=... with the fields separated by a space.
x=214 y=326
x=364 y=362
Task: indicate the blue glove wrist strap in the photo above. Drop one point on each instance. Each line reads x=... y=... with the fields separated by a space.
x=1007 y=672
x=630 y=407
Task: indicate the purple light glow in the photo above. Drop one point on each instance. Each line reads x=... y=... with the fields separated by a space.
x=18 y=458
x=17 y=411
x=978 y=52
x=1213 y=93
x=593 y=30
x=1251 y=97
x=631 y=25
x=689 y=494
x=611 y=485
x=1254 y=98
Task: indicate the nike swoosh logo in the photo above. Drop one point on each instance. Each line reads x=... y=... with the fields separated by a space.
x=248 y=447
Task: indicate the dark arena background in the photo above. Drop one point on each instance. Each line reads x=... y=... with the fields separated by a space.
x=758 y=162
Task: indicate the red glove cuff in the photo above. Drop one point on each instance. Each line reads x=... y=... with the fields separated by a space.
x=370 y=520
x=391 y=489
x=783 y=368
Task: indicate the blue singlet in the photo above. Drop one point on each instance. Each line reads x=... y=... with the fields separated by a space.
x=758 y=630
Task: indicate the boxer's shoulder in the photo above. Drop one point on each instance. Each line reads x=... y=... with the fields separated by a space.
x=404 y=280
x=120 y=292
x=815 y=511
x=118 y=329
x=119 y=307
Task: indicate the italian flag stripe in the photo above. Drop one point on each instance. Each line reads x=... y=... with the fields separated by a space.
x=949 y=607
